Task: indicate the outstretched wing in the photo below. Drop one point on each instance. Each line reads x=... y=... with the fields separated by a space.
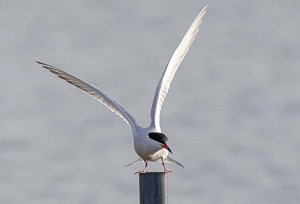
x=175 y=61
x=94 y=92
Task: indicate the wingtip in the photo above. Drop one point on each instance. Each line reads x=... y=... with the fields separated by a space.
x=44 y=65
x=41 y=63
x=204 y=9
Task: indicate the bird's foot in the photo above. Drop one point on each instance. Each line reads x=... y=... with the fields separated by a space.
x=167 y=171
x=140 y=172
x=144 y=170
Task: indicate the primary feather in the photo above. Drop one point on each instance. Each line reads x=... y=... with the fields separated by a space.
x=94 y=92
x=176 y=59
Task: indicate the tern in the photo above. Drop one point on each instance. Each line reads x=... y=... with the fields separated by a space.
x=149 y=143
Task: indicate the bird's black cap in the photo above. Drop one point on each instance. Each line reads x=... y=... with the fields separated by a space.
x=159 y=137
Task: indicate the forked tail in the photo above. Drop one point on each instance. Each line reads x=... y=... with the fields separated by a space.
x=170 y=160
x=138 y=160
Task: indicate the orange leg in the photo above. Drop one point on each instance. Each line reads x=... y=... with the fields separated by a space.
x=165 y=170
x=144 y=170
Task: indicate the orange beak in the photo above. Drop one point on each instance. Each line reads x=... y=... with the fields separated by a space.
x=167 y=147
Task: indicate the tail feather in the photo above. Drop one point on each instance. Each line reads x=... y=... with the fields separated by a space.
x=138 y=160
x=170 y=160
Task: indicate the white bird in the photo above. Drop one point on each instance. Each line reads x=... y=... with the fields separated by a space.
x=149 y=143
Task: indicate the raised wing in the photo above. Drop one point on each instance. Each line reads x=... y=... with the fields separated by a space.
x=175 y=61
x=94 y=92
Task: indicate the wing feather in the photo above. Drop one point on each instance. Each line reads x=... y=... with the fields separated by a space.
x=94 y=92
x=170 y=70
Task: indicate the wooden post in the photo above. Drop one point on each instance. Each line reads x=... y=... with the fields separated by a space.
x=153 y=188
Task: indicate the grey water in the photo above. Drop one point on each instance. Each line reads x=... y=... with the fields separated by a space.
x=232 y=114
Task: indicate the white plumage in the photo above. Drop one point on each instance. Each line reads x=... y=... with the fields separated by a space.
x=149 y=143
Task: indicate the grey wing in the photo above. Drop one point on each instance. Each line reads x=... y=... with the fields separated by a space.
x=170 y=70
x=94 y=92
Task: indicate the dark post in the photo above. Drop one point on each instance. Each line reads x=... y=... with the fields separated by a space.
x=153 y=188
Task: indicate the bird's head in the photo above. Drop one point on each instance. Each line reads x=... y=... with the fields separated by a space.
x=161 y=139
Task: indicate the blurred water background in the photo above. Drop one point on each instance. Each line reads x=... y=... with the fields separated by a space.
x=232 y=114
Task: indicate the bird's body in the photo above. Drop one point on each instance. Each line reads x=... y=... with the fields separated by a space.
x=149 y=143
x=147 y=148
